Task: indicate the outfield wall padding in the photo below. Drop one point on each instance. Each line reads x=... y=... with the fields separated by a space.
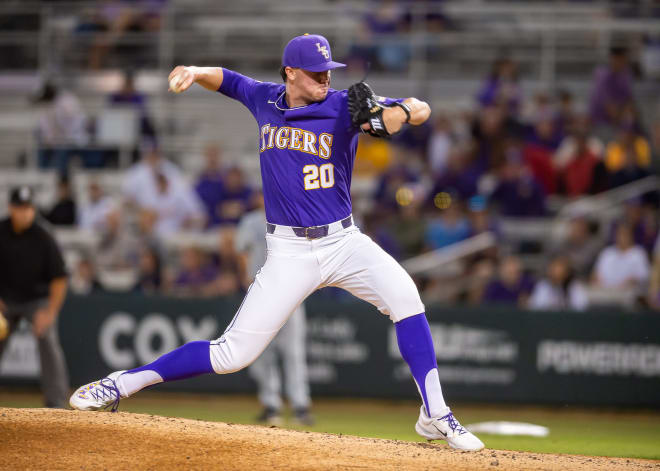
x=484 y=354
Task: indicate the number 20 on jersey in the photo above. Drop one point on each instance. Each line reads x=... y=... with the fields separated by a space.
x=316 y=176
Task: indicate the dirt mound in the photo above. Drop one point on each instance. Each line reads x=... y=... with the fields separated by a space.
x=61 y=439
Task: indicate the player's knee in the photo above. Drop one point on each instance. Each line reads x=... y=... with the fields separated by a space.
x=405 y=302
x=237 y=362
x=225 y=359
x=233 y=367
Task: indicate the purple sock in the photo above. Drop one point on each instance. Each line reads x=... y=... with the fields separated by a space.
x=191 y=359
x=416 y=347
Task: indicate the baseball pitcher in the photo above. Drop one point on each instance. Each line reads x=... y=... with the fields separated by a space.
x=308 y=136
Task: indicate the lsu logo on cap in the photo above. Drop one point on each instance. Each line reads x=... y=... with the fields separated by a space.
x=323 y=50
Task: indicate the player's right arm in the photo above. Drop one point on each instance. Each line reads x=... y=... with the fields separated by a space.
x=229 y=83
x=185 y=75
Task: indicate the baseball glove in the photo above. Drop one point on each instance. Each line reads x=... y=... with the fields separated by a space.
x=364 y=107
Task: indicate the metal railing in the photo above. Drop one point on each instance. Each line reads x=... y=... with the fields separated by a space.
x=595 y=205
x=432 y=261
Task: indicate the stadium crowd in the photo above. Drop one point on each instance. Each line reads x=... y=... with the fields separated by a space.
x=435 y=185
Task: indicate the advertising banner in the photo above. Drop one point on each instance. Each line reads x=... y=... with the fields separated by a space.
x=488 y=355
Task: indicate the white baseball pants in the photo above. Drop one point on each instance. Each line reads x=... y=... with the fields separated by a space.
x=296 y=267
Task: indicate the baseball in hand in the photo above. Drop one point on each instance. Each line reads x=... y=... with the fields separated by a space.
x=175 y=83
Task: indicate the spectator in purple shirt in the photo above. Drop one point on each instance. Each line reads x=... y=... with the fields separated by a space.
x=502 y=87
x=385 y=18
x=461 y=177
x=196 y=276
x=435 y=21
x=377 y=39
x=210 y=184
x=511 y=286
x=236 y=196
x=611 y=89
x=518 y=194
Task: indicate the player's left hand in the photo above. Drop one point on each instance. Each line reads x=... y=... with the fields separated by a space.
x=41 y=321
x=393 y=117
x=373 y=116
x=366 y=111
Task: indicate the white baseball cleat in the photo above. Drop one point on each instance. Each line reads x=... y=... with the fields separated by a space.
x=447 y=428
x=100 y=394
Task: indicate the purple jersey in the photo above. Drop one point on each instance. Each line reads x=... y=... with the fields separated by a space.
x=307 y=152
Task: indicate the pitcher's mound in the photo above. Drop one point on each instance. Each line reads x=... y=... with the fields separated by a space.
x=61 y=439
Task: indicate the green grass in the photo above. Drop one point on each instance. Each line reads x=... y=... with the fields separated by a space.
x=630 y=434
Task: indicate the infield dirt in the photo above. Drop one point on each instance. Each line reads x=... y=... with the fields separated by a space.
x=61 y=439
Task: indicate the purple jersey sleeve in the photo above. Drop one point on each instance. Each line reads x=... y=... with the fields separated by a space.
x=389 y=101
x=239 y=87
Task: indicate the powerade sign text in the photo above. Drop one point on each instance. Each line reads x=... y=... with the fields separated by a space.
x=598 y=358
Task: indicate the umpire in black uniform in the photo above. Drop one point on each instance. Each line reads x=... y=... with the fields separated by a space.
x=33 y=285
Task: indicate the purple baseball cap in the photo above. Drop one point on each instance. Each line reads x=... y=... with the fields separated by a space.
x=310 y=52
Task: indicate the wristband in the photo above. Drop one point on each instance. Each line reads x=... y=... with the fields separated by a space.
x=405 y=108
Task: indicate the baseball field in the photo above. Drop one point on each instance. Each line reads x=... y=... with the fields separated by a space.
x=349 y=434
